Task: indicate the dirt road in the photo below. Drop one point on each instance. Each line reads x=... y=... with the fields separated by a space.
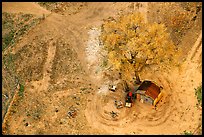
x=176 y=112
x=65 y=39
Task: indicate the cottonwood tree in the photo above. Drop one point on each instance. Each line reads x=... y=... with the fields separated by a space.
x=132 y=44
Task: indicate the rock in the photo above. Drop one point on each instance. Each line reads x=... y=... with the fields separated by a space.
x=77 y=103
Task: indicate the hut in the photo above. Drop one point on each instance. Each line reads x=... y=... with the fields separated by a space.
x=148 y=92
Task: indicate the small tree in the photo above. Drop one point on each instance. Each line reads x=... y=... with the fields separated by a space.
x=132 y=44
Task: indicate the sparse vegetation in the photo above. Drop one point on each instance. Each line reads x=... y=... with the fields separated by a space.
x=83 y=89
x=104 y=62
x=54 y=73
x=60 y=7
x=21 y=90
x=65 y=59
x=15 y=26
x=49 y=5
x=8 y=39
x=31 y=71
x=188 y=133
x=198 y=93
x=8 y=62
x=9 y=81
x=179 y=21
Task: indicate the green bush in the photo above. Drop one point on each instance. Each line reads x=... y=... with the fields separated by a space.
x=21 y=90
x=8 y=62
x=188 y=133
x=104 y=62
x=7 y=40
x=49 y=5
x=15 y=26
x=198 y=93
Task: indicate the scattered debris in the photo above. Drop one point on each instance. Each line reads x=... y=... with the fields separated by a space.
x=6 y=96
x=112 y=88
x=113 y=114
x=56 y=110
x=76 y=98
x=72 y=112
x=128 y=104
x=18 y=86
x=26 y=124
x=118 y=104
x=77 y=103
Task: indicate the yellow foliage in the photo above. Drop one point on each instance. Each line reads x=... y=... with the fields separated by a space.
x=130 y=42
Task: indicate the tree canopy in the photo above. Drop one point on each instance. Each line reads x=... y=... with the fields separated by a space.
x=132 y=43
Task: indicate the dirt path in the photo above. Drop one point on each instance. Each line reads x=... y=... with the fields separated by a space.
x=176 y=112
x=24 y=7
x=172 y=114
x=143 y=9
x=196 y=50
x=179 y=89
x=43 y=84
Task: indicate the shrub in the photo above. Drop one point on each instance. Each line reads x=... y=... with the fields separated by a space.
x=14 y=26
x=188 y=133
x=198 y=93
x=7 y=39
x=21 y=90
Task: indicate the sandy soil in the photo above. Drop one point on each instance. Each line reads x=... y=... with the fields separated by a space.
x=24 y=7
x=45 y=108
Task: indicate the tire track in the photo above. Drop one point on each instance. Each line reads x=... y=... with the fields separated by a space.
x=43 y=84
x=195 y=49
x=137 y=118
x=139 y=114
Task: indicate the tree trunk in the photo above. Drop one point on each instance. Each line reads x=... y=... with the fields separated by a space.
x=137 y=78
x=126 y=88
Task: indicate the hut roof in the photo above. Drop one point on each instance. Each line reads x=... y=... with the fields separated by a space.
x=151 y=89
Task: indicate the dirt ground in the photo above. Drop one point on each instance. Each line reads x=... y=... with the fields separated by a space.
x=59 y=77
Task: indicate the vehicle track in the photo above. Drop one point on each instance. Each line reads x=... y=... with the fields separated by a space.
x=168 y=113
x=175 y=112
x=139 y=114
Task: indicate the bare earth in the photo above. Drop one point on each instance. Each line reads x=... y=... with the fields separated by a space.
x=68 y=79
